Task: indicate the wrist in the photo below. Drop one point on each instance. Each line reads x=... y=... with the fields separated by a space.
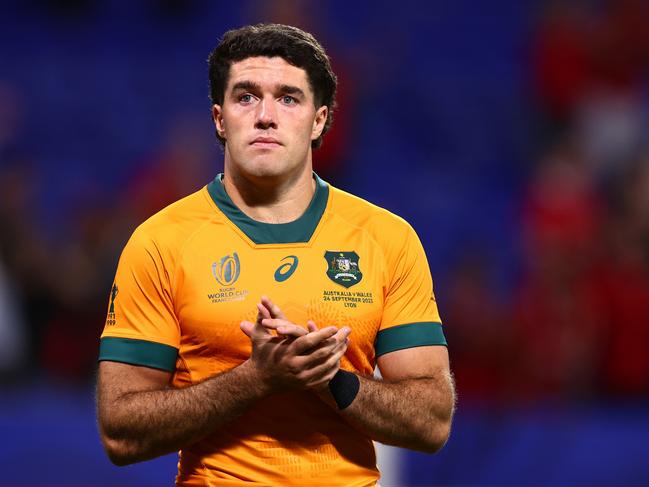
x=343 y=388
x=255 y=378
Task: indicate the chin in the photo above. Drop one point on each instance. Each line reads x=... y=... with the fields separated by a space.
x=265 y=168
x=269 y=165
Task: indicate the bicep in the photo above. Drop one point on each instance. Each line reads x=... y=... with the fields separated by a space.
x=115 y=414
x=415 y=362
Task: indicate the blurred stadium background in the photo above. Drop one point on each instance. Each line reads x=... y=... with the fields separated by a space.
x=511 y=134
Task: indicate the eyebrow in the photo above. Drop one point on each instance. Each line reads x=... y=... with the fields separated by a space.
x=291 y=90
x=246 y=85
x=252 y=86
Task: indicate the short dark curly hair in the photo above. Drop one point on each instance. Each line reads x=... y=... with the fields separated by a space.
x=294 y=45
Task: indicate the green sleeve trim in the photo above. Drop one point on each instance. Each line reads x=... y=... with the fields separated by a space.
x=408 y=336
x=138 y=352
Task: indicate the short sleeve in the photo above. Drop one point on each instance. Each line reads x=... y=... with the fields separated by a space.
x=141 y=325
x=410 y=314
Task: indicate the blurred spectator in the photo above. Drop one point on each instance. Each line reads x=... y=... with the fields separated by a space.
x=186 y=159
x=479 y=327
x=620 y=45
x=625 y=288
x=611 y=127
x=583 y=309
x=612 y=116
x=85 y=257
x=13 y=343
x=590 y=65
x=560 y=61
x=24 y=249
x=562 y=210
x=558 y=326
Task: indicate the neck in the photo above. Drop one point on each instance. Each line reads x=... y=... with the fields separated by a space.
x=277 y=199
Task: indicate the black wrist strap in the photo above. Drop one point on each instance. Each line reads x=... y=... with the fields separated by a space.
x=344 y=387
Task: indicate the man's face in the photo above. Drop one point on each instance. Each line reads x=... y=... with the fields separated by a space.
x=268 y=118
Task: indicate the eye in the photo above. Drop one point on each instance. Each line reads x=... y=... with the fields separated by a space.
x=245 y=98
x=288 y=100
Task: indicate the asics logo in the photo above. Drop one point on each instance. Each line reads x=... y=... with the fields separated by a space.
x=287 y=269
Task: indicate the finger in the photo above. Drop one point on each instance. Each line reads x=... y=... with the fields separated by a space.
x=321 y=354
x=253 y=330
x=340 y=338
x=341 y=335
x=274 y=310
x=284 y=327
x=307 y=342
x=325 y=371
x=311 y=326
x=274 y=323
x=332 y=363
x=262 y=312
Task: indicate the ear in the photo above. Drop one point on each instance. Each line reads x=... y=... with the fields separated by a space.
x=219 y=123
x=319 y=121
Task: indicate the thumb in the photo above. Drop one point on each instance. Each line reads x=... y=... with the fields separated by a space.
x=253 y=330
x=248 y=328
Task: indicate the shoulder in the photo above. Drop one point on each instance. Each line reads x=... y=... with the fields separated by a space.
x=381 y=224
x=169 y=229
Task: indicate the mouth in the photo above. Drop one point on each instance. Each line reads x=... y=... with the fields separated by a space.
x=265 y=142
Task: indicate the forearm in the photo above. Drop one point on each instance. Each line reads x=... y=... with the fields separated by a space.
x=410 y=413
x=141 y=425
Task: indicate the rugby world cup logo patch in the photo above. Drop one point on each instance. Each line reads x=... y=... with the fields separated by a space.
x=343 y=268
x=227 y=270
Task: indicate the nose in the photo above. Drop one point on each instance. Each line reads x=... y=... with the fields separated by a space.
x=266 y=114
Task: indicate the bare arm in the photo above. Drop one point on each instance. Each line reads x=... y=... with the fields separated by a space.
x=141 y=416
x=412 y=406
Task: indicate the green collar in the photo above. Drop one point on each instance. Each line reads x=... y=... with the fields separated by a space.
x=298 y=231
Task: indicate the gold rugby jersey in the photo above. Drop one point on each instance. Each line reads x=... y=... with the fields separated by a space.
x=191 y=273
